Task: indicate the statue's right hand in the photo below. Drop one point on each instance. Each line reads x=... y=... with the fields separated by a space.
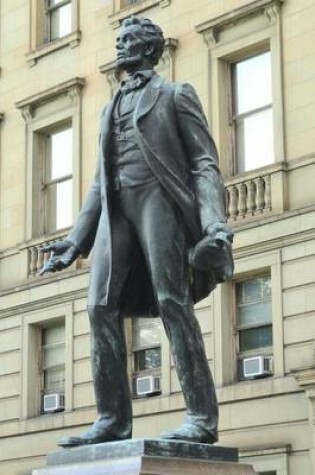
x=64 y=253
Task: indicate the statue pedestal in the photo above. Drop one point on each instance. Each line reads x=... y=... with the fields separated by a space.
x=145 y=457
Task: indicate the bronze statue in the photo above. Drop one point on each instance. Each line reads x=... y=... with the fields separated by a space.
x=155 y=215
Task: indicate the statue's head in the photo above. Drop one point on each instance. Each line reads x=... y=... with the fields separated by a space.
x=139 y=45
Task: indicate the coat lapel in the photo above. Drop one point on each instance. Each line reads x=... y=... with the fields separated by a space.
x=148 y=97
x=106 y=124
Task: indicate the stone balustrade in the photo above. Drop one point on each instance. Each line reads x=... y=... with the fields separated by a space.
x=248 y=196
x=37 y=258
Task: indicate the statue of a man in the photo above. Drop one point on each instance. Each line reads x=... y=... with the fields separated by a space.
x=157 y=194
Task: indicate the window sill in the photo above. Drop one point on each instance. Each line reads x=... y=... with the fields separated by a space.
x=116 y=18
x=72 y=40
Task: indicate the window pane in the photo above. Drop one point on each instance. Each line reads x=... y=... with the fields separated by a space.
x=146 y=332
x=64 y=204
x=60 y=22
x=254 y=138
x=54 y=380
x=252 y=86
x=54 y=356
x=58 y=212
x=252 y=290
x=53 y=335
x=252 y=314
x=255 y=338
x=52 y=3
x=147 y=359
x=61 y=154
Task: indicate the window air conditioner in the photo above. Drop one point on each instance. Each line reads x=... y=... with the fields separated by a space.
x=54 y=402
x=148 y=385
x=257 y=366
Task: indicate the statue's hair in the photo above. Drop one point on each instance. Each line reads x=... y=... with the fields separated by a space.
x=151 y=34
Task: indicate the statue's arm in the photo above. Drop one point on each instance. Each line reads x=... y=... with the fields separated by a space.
x=203 y=158
x=83 y=233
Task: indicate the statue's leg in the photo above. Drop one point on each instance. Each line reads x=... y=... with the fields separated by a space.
x=108 y=347
x=162 y=235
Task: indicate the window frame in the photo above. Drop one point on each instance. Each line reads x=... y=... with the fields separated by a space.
x=47 y=183
x=40 y=43
x=42 y=367
x=246 y=31
x=42 y=112
x=234 y=118
x=31 y=384
x=49 y=9
x=266 y=350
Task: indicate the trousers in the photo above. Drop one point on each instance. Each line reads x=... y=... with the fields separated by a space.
x=146 y=216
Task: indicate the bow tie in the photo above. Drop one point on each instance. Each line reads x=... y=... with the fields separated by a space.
x=135 y=83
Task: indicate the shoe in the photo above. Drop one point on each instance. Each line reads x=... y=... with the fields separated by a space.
x=96 y=435
x=190 y=433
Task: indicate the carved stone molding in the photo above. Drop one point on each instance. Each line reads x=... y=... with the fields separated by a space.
x=72 y=88
x=211 y=28
x=272 y=13
x=120 y=11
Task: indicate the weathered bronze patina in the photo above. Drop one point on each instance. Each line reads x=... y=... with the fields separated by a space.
x=155 y=216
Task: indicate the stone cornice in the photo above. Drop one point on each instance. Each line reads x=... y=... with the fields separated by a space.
x=70 y=87
x=210 y=29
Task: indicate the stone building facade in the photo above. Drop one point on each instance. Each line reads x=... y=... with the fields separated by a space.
x=252 y=63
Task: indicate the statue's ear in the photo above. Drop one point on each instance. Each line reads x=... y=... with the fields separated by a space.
x=149 y=49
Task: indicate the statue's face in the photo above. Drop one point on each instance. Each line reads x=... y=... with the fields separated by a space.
x=131 y=48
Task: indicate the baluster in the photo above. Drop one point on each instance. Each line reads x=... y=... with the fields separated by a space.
x=227 y=203
x=40 y=260
x=268 y=192
x=33 y=253
x=260 y=194
x=233 y=208
x=241 y=188
x=251 y=198
x=47 y=254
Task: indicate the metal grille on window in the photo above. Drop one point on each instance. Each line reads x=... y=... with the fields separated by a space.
x=58 y=181
x=253 y=318
x=59 y=19
x=53 y=359
x=252 y=116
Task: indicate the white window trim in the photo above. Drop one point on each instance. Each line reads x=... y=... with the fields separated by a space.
x=38 y=45
x=70 y=93
x=225 y=349
x=30 y=394
x=222 y=49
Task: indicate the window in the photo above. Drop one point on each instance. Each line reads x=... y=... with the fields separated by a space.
x=53 y=127
x=57 y=179
x=246 y=86
x=54 y=25
x=253 y=318
x=47 y=358
x=53 y=359
x=58 y=19
x=146 y=348
x=252 y=115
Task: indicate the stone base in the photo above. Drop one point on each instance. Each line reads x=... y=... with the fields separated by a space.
x=145 y=457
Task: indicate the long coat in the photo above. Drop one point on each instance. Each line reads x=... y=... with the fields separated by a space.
x=172 y=133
